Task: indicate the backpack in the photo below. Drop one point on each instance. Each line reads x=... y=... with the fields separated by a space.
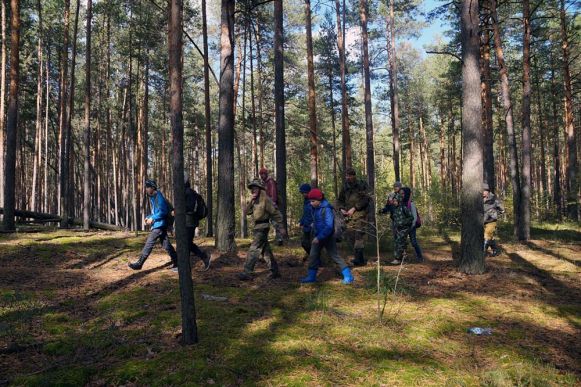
x=339 y=224
x=200 y=208
x=418 y=220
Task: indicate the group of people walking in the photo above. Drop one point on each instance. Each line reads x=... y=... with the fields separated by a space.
x=322 y=224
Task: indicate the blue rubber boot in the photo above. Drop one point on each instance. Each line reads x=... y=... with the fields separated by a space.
x=347 y=276
x=311 y=277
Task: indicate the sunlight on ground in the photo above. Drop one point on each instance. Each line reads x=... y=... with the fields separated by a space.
x=71 y=312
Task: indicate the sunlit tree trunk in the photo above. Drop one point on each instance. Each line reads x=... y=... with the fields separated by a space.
x=311 y=103
x=472 y=256
x=225 y=229
x=571 y=176
x=208 y=126
x=175 y=42
x=345 y=133
x=508 y=114
x=524 y=227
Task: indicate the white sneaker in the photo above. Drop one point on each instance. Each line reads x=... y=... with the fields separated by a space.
x=395 y=262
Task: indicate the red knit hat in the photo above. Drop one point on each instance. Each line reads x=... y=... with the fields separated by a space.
x=315 y=194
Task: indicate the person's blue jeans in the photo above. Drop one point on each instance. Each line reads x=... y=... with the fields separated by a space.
x=161 y=235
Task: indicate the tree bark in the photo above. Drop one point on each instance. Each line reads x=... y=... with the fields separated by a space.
x=472 y=257
x=279 y=109
x=489 y=173
x=508 y=114
x=225 y=229
x=208 y=126
x=311 y=103
x=394 y=100
x=345 y=134
x=571 y=176
x=87 y=165
x=63 y=115
x=2 y=101
x=524 y=227
x=557 y=196
x=12 y=119
x=38 y=129
x=368 y=111
x=175 y=42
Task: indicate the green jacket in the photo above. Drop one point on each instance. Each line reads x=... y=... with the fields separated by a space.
x=262 y=210
x=402 y=217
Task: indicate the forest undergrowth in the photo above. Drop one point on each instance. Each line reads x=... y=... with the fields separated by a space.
x=73 y=313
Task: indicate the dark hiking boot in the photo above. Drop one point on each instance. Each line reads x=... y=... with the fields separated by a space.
x=137 y=265
x=244 y=276
x=207 y=260
x=359 y=259
x=495 y=249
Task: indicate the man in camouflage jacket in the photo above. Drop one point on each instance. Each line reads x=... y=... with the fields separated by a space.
x=354 y=201
x=263 y=212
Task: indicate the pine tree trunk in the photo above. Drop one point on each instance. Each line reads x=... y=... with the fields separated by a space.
x=472 y=257
x=489 y=173
x=443 y=184
x=542 y=146
x=345 y=134
x=12 y=119
x=2 y=102
x=253 y=106
x=571 y=176
x=524 y=227
x=38 y=130
x=508 y=114
x=334 y=131
x=208 y=126
x=557 y=196
x=175 y=42
x=87 y=166
x=394 y=100
x=225 y=229
x=279 y=109
x=311 y=103
x=63 y=116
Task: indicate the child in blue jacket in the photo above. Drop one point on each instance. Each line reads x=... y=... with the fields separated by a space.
x=324 y=231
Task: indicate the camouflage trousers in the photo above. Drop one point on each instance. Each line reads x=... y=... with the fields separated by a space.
x=400 y=242
x=260 y=248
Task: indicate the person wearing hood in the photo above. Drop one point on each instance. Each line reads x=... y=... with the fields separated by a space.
x=306 y=220
x=263 y=212
x=272 y=192
x=324 y=231
x=492 y=208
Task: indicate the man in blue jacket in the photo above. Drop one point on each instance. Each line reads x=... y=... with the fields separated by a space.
x=324 y=231
x=306 y=220
x=157 y=221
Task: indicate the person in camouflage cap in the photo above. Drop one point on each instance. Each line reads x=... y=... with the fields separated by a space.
x=263 y=211
x=353 y=201
x=402 y=223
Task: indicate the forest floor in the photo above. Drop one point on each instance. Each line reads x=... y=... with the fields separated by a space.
x=73 y=313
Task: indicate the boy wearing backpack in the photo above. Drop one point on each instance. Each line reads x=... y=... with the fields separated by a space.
x=324 y=231
x=196 y=210
x=402 y=222
x=407 y=199
x=158 y=221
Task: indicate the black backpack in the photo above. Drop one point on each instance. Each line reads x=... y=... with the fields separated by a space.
x=200 y=208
